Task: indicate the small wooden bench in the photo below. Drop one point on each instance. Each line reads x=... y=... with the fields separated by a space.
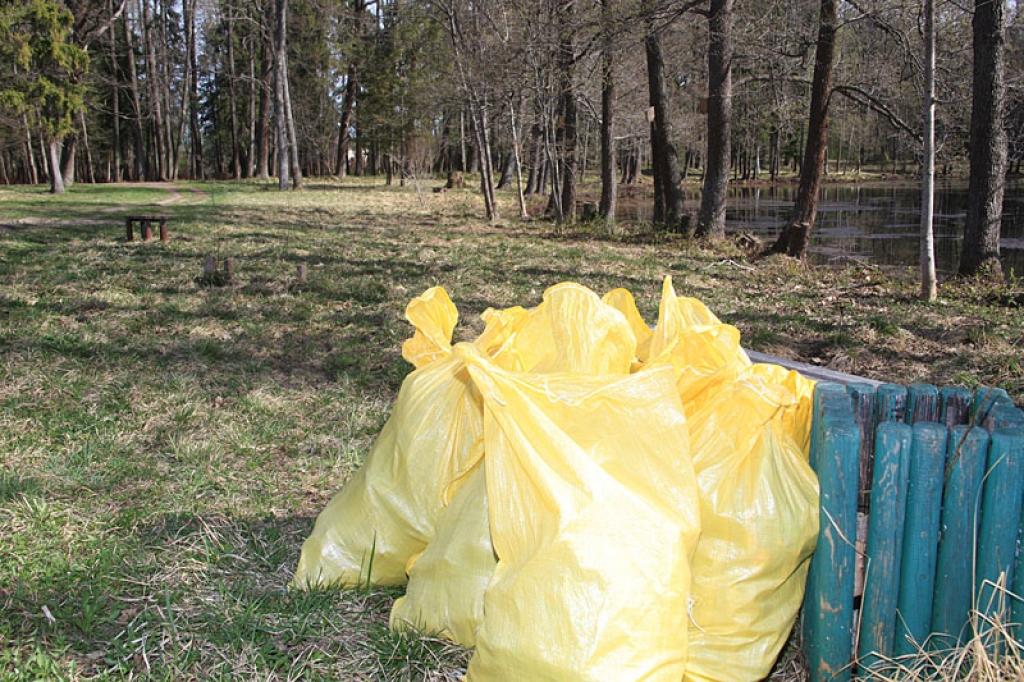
x=145 y=226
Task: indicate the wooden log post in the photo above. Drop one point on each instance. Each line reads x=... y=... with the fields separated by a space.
x=828 y=602
x=890 y=403
x=229 y=269
x=1001 y=504
x=966 y=451
x=301 y=273
x=885 y=538
x=129 y=232
x=920 y=537
x=163 y=230
x=922 y=403
x=147 y=230
x=954 y=405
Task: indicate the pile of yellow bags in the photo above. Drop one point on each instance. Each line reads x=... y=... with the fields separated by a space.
x=578 y=496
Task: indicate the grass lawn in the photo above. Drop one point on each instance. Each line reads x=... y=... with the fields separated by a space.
x=166 y=446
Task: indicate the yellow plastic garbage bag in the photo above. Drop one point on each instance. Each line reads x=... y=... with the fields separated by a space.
x=375 y=528
x=572 y=330
x=558 y=531
x=759 y=517
x=749 y=435
x=384 y=516
x=433 y=317
x=704 y=351
x=593 y=516
x=445 y=594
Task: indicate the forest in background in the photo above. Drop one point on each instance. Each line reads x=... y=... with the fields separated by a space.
x=530 y=95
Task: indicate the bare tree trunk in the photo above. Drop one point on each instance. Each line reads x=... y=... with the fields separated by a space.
x=517 y=157
x=236 y=161
x=154 y=93
x=196 y=161
x=711 y=219
x=609 y=188
x=263 y=123
x=536 y=159
x=186 y=91
x=293 y=143
x=89 y=177
x=568 y=160
x=164 y=88
x=115 y=97
x=250 y=154
x=68 y=157
x=33 y=173
x=988 y=145
x=665 y=158
x=56 y=180
x=443 y=162
x=796 y=235
x=141 y=157
x=507 y=166
x=929 y=287
x=344 y=137
x=358 y=166
x=280 y=78
x=462 y=141
x=479 y=113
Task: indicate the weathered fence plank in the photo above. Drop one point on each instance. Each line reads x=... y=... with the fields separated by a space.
x=862 y=399
x=885 y=537
x=954 y=405
x=1001 y=501
x=922 y=403
x=890 y=403
x=920 y=536
x=954 y=578
x=828 y=611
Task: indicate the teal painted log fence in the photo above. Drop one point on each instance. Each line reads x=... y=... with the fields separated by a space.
x=940 y=475
x=920 y=536
x=885 y=538
x=954 y=579
x=828 y=602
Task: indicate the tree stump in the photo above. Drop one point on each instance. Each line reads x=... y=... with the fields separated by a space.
x=209 y=267
x=455 y=180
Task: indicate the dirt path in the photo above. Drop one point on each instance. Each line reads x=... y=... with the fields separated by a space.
x=175 y=195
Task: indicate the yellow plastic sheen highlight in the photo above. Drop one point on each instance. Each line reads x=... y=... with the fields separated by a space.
x=580 y=496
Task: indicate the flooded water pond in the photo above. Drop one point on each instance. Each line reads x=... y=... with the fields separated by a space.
x=877 y=222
